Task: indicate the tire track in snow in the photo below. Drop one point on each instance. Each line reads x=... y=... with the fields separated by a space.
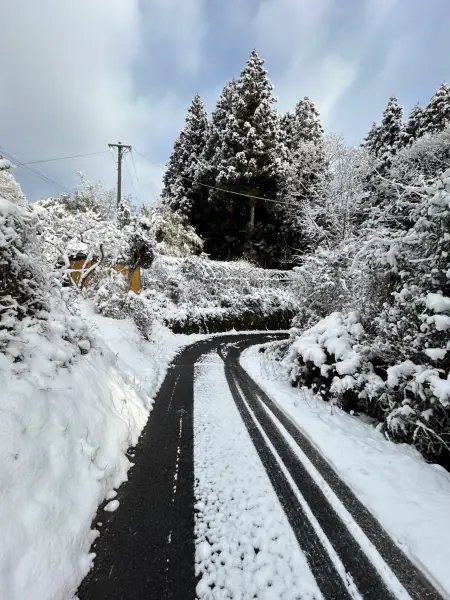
x=324 y=570
x=361 y=569
x=245 y=546
x=411 y=578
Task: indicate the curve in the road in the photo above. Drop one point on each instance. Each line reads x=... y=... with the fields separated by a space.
x=146 y=549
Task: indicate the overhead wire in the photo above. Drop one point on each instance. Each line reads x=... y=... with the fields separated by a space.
x=135 y=172
x=129 y=177
x=212 y=187
x=39 y=174
x=36 y=162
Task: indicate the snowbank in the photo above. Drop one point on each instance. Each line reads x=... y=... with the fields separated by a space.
x=64 y=433
x=408 y=496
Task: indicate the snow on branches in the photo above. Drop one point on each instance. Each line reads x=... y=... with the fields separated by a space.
x=393 y=267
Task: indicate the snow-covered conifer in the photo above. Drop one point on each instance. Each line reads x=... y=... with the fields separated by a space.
x=389 y=133
x=250 y=159
x=182 y=168
x=436 y=115
x=413 y=127
x=307 y=122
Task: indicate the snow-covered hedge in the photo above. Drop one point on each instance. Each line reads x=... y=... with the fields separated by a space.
x=196 y=294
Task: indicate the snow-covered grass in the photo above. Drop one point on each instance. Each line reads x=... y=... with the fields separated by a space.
x=245 y=547
x=409 y=496
x=64 y=432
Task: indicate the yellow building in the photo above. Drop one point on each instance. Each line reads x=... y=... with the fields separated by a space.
x=78 y=261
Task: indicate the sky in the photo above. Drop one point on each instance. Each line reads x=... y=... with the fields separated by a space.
x=79 y=74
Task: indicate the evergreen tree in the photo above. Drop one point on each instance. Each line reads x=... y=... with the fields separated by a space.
x=436 y=116
x=383 y=141
x=210 y=157
x=179 y=190
x=306 y=169
x=413 y=127
x=307 y=122
x=371 y=140
x=207 y=212
x=124 y=213
x=249 y=159
x=288 y=126
x=387 y=140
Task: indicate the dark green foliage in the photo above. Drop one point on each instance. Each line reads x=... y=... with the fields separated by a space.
x=247 y=150
x=436 y=115
x=180 y=191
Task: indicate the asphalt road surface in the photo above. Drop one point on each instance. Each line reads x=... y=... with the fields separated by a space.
x=146 y=550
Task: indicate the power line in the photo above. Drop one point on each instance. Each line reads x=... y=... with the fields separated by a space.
x=36 y=162
x=130 y=178
x=38 y=174
x=135 y=172
x=212 y=187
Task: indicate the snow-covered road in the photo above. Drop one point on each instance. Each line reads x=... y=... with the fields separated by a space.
x=229 y=499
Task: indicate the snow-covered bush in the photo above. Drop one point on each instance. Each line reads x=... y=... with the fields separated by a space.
x=395 y=270
x=428 y=155
x=111 y=289
x=35 y=323
x=324 y=284
x=413 y=329
x=9 y=188
x=331 y=358
x=172 y=233
x=140 y=312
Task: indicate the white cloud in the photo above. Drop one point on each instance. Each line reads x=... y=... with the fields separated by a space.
x=378 y=11
x=68 y=84
x=291 y=28
x=176 y=28
x=295 y=34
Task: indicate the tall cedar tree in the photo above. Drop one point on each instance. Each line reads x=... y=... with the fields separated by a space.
x=413 y=126
x=306 y=170
x=436 y=116
x=382 y=142
x=207 y=211
x=370 y=141
x=249 y=159
x=179 y=191
x=389 y=133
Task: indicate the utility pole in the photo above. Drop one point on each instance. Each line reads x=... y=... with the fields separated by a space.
x=121 y=149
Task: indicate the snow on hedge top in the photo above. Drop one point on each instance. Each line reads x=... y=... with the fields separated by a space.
x=5 y=164
x=438 y=303
x=336 y=335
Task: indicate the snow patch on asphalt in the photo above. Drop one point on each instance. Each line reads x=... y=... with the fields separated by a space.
x=409 y=497
x=245 y=547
